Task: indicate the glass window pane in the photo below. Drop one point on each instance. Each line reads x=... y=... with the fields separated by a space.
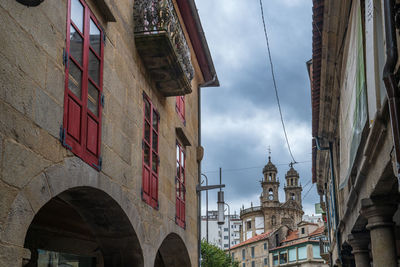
x=182 y=158
x=155 y=141
x=177 y=153
x=147 y=109
x=94 y=67
x=76 y=44
x=77 y=14
x=155 y=121
x=154 y=162
x=147 y=155
x=316 y=252
x=292 y=254
x=178 y=174
x=283 y=257
x=93 y=99
x=302 y=253
x=147 y=131
x=75 y=79
x=94 y=37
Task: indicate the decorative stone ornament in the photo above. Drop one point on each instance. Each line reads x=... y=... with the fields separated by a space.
x=30 y=2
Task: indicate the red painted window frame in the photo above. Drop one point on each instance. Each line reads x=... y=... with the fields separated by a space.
x=79 y=147
x=180 y=182
x=149 y=175
x=180 y=107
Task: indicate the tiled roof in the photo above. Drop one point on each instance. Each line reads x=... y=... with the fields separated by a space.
x=319 y=231
x=292 y=236
x=252 y=240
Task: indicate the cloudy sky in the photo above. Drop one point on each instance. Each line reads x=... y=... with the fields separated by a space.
x=240 y=119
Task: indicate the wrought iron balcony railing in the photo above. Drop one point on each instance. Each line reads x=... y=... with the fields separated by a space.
x=162 y=46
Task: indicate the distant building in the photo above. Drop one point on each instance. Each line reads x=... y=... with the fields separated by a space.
x=300 y=248
x=313 y=218
x=271 y=214
x=282 y=247
x=219 y=234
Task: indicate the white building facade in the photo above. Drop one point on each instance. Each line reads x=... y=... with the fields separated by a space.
x=219 y=234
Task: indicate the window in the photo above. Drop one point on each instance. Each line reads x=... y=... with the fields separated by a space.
x=243 y=264
x=226 y=229
x=226 y=245
x=273 y=220
x=265 y=246
x=316 y=252
x=275 y=258
x=265 y=261
x=302 y=231
x=150 y=153
x=180 y=107
x=292 y=254
x=180 y=185
x=302 y=253
x=226 y=237
x=243 y=254
x=283 y=257
x=253 y=264
x=292 y=196
x=81 y=131
x=249 y=225
x=233 y=255
x=252 y=252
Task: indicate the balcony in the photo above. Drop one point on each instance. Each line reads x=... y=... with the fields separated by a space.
x=162 y=46
x=249 y=210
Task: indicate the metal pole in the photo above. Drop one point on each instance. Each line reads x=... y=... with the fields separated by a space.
x=229 y=227
x=205 y=176
x=220 y=177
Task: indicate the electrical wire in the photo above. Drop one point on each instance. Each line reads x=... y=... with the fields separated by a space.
x=312 y=185
x=254 y=167
x=274 y=81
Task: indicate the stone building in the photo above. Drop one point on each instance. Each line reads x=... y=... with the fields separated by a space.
x=355 y=126
x=100 y=144
x=300 y=248
x=271 y=213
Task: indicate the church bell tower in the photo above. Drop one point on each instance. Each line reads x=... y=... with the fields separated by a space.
x=292 y=187
x=270 y=185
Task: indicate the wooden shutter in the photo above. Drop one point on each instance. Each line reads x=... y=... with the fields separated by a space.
x=83 y=59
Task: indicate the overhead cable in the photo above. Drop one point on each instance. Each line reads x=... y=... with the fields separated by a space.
x=274 y=81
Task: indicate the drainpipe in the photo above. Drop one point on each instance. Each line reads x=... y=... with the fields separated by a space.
x=390 y=80
x=333 y=185
x=199 y=166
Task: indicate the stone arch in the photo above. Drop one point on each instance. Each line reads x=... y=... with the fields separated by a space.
x=72 y=177
x=172 y=253
x=270 y=194
x=292 y=196
x=30 y=2
x=84 y=221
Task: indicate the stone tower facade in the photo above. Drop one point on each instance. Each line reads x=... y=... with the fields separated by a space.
x=271 y=214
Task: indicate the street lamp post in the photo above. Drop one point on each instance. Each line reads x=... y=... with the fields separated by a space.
x=205 y=176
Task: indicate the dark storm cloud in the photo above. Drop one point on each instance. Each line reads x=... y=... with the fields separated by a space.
x=241 y=119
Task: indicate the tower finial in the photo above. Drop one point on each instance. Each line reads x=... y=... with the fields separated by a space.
x=291 y=164
x=269 y=153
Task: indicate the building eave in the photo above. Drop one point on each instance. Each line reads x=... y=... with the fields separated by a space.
x=194 y=28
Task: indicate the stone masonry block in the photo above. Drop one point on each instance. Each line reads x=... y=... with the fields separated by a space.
x=116 y=168
x=37 y=192
x=73 y=172
x=56 y=12
x=18 y=127
x=21 y=50
x=11 y=255
x=7 y=196
x=39 y=27
x=16 y=89
x=21 y=164
x=48 y=114
x=17 y=222
x=122 y=145
x=55 y=77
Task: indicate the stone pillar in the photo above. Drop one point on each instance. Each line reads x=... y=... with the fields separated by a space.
x=359 y=242
x=379 y=213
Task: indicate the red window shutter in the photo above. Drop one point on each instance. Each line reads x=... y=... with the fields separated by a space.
x=180 y=107
x=180 y=185
x=150 y=156
x=83 y=59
